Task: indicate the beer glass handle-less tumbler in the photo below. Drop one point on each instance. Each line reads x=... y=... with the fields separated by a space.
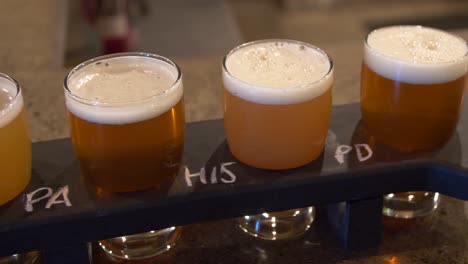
x=127 y=125
x=277 y=106
x=412 y=87
x=15 y=145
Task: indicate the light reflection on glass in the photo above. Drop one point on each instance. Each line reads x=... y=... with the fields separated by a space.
x=393 y=260
x=278 y=225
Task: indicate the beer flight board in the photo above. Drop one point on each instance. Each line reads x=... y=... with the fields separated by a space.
x=59 y=212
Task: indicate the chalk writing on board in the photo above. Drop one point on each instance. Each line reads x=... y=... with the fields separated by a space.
x=53 y=197
x=363 y=152
x=225 y=175
x=342 y=150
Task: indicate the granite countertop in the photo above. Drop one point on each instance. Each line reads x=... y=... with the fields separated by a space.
x=29 y=52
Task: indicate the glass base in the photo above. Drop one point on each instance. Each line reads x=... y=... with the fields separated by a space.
x=410 y=204
x=141 y=246
x=32 y=257
x=278 y=225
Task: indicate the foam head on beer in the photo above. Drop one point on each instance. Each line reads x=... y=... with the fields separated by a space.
x=10 y=102
x=123 y=90
x=277 y=72
x=126 y=120
x=416 y=54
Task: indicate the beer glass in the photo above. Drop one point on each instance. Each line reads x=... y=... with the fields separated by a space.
x=32 y=257
x=277 y=106
x=15 y=151
x=412 y=87
x=126 y=117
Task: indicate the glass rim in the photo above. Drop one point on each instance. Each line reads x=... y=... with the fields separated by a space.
x=247 y=44
x=15 y=84
x=82 y=65
x=366 y=43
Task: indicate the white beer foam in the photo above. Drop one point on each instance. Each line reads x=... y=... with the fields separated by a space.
x=277 y=72
x=416 y=55
x=13 y=109
x=123 y=90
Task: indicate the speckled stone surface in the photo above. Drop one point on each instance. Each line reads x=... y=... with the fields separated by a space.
x=29 y=51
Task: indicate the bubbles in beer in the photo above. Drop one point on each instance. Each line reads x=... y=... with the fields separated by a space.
x=119 y=82
x=10 y=105
x=5 y=99
x=417 y=44
x=278 y=65
x=286 y=66
x=127 y=89
x=415 y=54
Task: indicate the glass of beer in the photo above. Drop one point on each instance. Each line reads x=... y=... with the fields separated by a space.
x=15 y=151
x=127 y=123
x=412 y=87
x=277 y=106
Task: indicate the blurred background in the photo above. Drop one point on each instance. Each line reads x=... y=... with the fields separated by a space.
x=212 y=27
x=201 y=32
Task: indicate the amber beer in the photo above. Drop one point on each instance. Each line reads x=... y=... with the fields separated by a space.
x=127 y=120
x=277 y=102
x=15 y=150
x=412 y=86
